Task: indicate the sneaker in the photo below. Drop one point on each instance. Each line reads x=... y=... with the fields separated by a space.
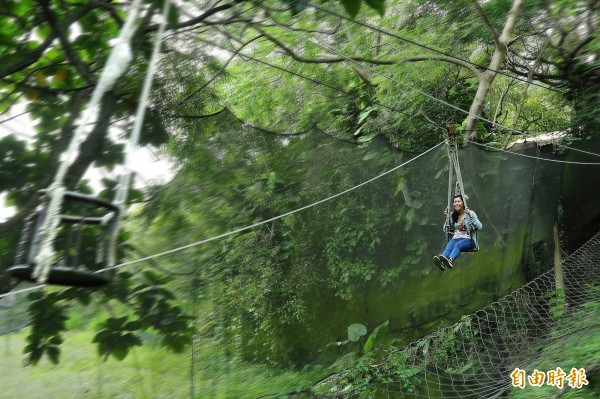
x=438 y=263
x=446 y=262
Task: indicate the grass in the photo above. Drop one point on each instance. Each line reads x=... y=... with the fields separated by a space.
x=147 y=372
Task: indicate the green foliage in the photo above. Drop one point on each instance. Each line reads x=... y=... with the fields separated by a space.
x=356 y=116
x=352 y=7
x=556 y=302
x=116 y=337
x=377 y=337
x=357 y=345
x=351 y=249
x=377 y=5
x=48 y=323
x=154 y=310
x=355 y=331
x=365 y=377
x=272 y=279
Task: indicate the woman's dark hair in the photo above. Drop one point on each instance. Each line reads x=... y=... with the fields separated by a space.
x=455 y=213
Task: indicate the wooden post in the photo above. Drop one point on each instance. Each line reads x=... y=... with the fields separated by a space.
x=558 y=271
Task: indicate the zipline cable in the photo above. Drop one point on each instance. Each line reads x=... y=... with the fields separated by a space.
x=531 y=156
x=576 y=149
x=249 y=227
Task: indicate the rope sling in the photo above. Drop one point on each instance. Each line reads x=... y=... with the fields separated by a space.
x=456 y=188
x=36 y=259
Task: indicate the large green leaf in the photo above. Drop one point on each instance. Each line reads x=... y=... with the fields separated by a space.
x=377 y=337
x=352 y=7
x=173 y=17
x=377 y=5
x=355 y=331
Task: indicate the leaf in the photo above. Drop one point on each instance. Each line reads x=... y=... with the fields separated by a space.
x=154 y=277
x=56 y=340
x=400 y=186
x=352 y=7
x=346 y=361
x=120 y=352
x=154 y=131
x=100 y=337
x=371 y=155
x=53 y=354
x=133 y=325
x=364 y=115
x=172 y=17
x=367 y=138
x=377 y=5
x=376 y=337
x=410 y=215
x=114 y=323
x=34 y=356
x=357 y=131
x=297 y=6
x=355 y=331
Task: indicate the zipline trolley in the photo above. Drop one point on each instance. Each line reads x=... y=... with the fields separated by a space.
x=82 y=242
x=71 y=238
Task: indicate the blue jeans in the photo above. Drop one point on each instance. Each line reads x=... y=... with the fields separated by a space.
x=456 y=246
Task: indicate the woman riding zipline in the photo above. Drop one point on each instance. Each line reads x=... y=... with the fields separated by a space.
x=462 y=224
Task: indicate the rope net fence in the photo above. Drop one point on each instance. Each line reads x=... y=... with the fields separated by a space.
x=504 y=347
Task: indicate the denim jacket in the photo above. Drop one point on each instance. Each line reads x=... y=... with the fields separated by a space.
x=472 y=222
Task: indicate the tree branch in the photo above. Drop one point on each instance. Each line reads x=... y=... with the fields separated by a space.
x=178 y=116
x=64 y=41
x=200 y=18
x=266 y=130
x=451 y=60
x=94 y=143
x=305 y=60
x=32 y=56
x=47 y=90
x=487 y=22
x=221 y=70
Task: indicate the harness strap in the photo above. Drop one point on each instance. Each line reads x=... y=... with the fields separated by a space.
x=454 y=169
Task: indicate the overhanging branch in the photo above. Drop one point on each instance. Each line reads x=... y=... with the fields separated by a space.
x=64 y=41
x=450 y=60
x=332 y=60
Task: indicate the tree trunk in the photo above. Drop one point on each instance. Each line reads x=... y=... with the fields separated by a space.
x=486 y=78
